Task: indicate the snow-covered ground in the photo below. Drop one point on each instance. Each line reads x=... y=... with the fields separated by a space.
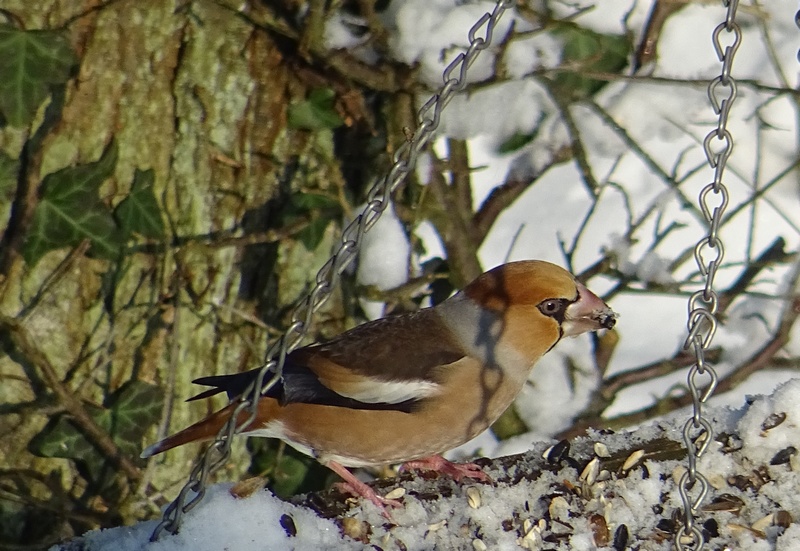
x=570 y=508
x=668 y=118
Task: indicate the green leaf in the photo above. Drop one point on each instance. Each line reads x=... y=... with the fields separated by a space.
x=62 y=439
x=319 y=208
x=309 y=201
x=509 y=424
x=315 y=113
x=515 y=142
x=586 y=50
x=311 y=236
x=139 y=211
x=289 y=472
x=32 y=62
x=133 y=408
x=70 y=210
x=128 y=414
x=288 y=476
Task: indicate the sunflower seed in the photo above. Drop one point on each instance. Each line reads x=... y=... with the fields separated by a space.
x=397 y=493
x=632 y=460
x=473 y=497
x=601 y=450
x=590 y=472
x=772 y=421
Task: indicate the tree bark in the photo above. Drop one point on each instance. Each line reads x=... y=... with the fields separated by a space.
x=199 y=94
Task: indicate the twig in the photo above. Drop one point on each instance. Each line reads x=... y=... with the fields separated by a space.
x=380 y=77
x=26 y=198
x=581 y=158
x=646 y=52
x=18 y=344
x=505 y=194
x=610 y=387
x=759 y=360
x=55 y=276
x=455 y=229
x=647 y=159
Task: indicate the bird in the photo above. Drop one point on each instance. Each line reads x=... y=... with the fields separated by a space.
x=409 y=387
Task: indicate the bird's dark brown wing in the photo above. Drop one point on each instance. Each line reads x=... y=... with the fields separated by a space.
x=404 y=347
x=409 y=348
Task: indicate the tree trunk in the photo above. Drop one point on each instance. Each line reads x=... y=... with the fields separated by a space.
x=201 y=95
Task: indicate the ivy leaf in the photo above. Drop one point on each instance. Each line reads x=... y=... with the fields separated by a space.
x=519 y=140
x=139 y=211
x=70 y=210
x=129 y=412
x=311 y=236
x=308 y=201
x=33 y=62
x=63 y=439
x=319 y=209
x=315 y=113
x=133 y=408
x=289 y=472
x=586 y=50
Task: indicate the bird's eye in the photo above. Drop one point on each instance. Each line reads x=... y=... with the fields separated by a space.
x=553 y=307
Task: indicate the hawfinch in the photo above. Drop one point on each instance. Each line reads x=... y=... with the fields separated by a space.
x=410 y=387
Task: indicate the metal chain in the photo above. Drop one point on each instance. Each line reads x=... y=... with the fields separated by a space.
x=797 y=22
x=378 y=197
x=702 y=321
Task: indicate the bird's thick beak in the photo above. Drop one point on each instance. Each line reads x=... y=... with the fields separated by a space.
x=588 y=313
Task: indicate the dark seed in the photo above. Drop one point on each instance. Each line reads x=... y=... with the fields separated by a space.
x=710 y=529
x=761 y=476
x=666 y=525
x=725 y=502
x=782 y=518
x=773 y=421
x=621 y=536
x=783 y=456
x=740 y=482
x=730 y=443
x=288 y=525
x=507 y=525
x=559 y=452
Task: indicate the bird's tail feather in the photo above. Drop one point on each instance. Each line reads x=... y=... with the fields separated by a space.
x=199 y=432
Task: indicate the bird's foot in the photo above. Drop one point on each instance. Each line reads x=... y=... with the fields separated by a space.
x=357 y=488
x=455 y=470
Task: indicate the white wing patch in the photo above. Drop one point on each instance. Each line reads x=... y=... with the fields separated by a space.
x=375 y=391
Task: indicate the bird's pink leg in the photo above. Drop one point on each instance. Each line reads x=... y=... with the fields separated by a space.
x=357 y=488
x=440 y=464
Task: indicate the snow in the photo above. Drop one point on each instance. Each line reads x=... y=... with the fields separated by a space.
x=668 y=122
x=222 y=521
x=383 y=259
x=500 y=515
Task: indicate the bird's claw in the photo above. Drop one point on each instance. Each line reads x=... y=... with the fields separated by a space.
x=457 y=471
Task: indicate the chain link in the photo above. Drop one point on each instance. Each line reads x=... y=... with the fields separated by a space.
x=702 y=320
x=797 y=22
x=378 y=197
